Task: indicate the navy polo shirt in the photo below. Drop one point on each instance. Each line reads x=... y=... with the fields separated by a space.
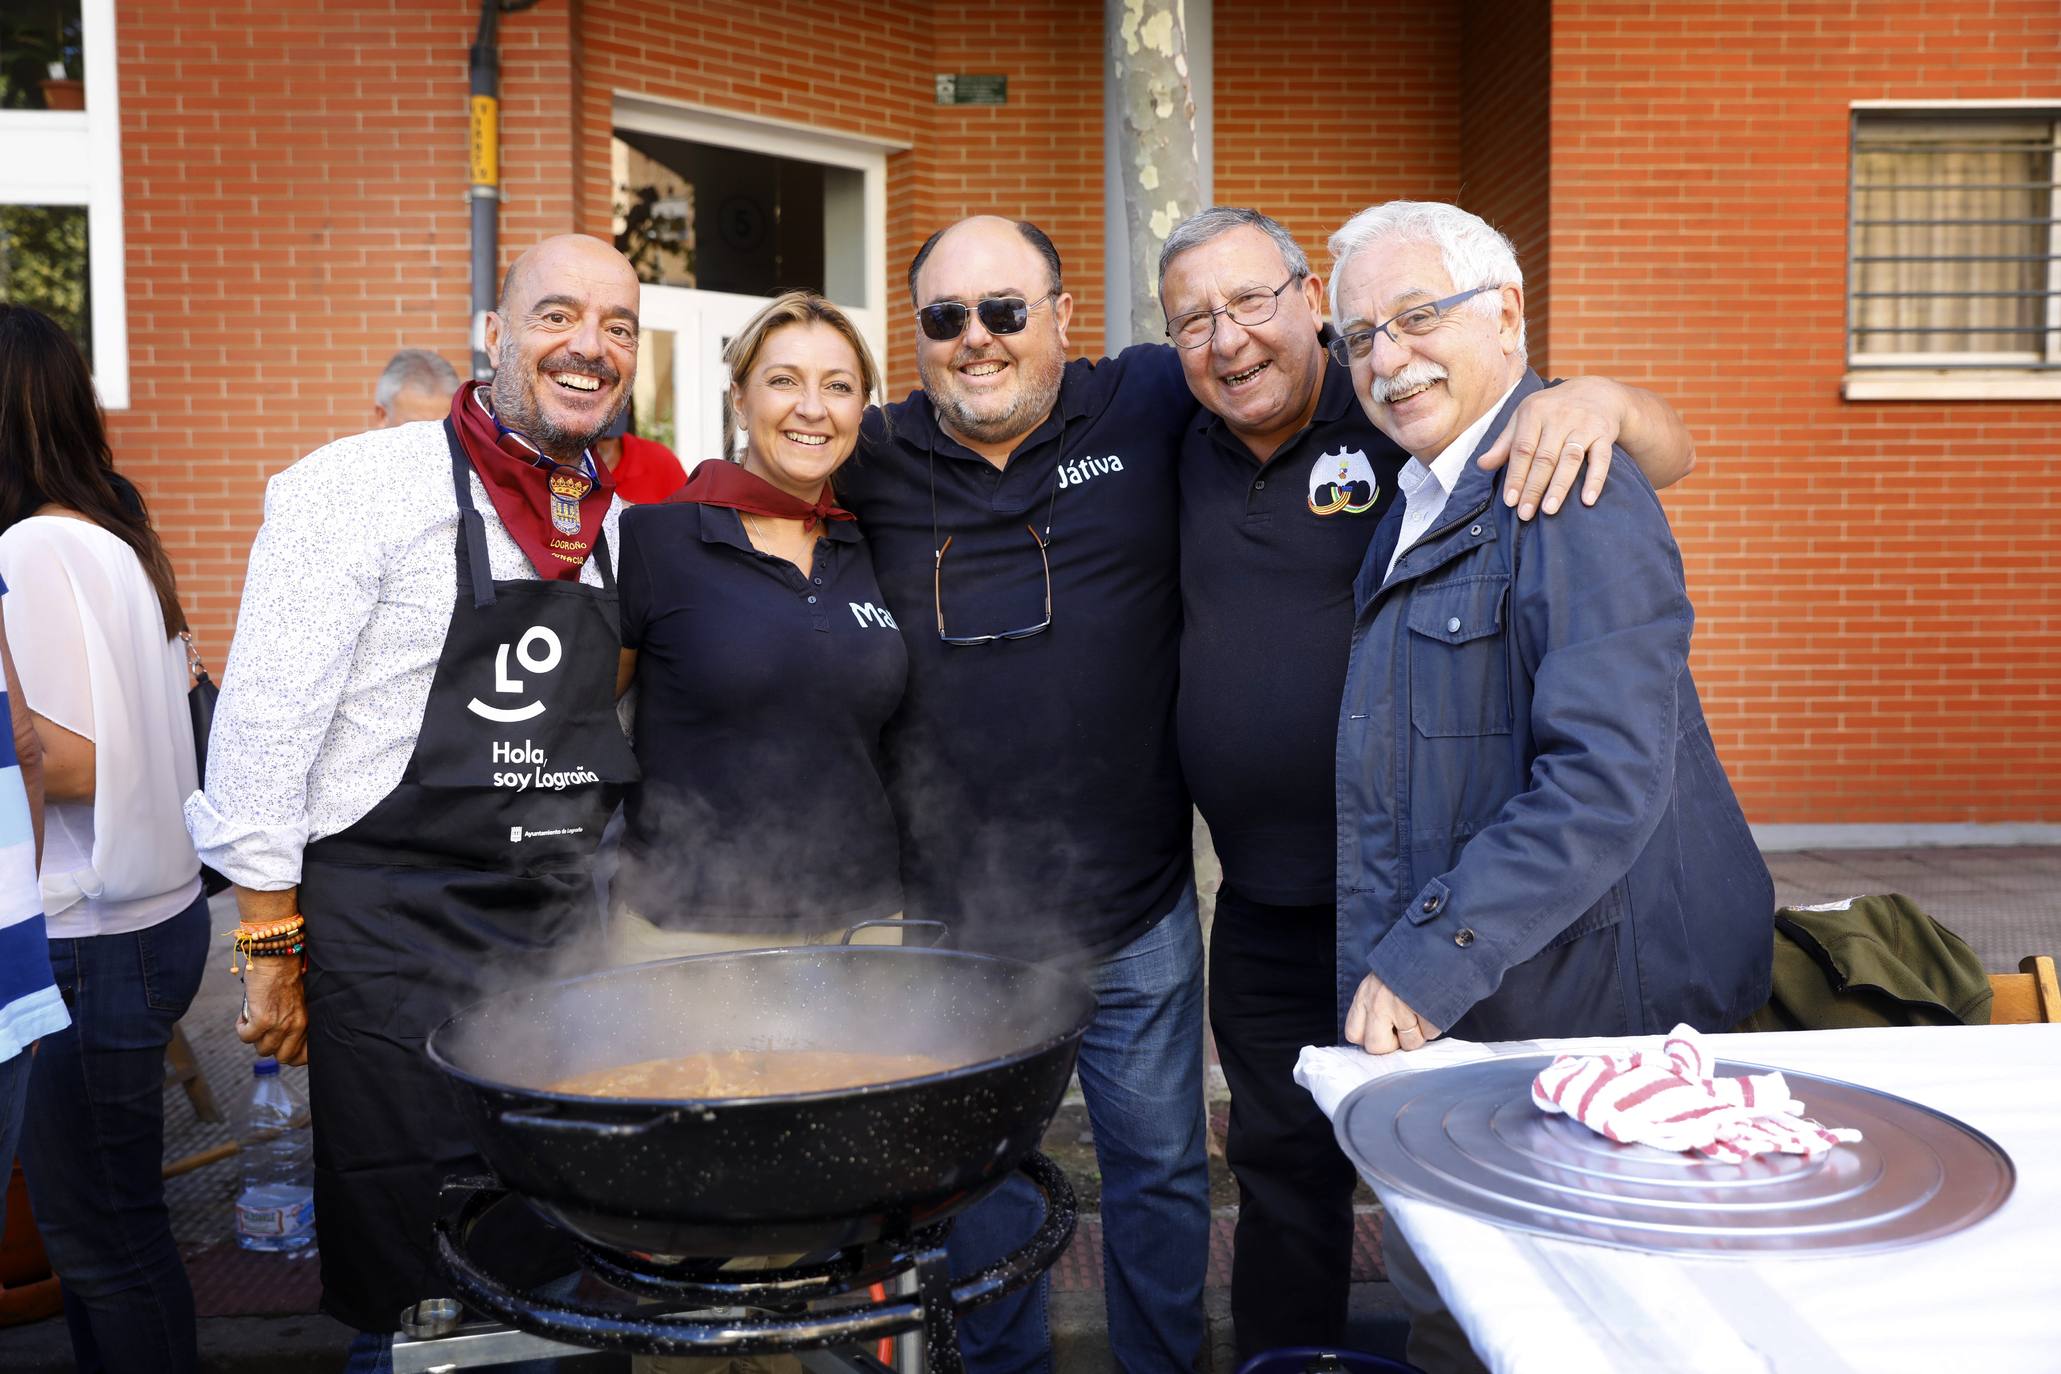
x=761 y=695
x=1036 y=779
x=1269 y=554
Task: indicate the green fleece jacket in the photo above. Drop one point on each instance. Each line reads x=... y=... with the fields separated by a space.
x=1870 y=961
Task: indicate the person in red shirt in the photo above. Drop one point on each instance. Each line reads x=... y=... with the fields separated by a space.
x=645 y=470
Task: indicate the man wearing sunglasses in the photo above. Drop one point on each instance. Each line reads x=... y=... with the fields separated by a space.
x=1021 y=509
x=1283 y=481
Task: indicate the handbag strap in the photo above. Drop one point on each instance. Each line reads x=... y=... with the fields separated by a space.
x=194 y=666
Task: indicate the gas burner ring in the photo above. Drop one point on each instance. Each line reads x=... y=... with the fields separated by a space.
x=933 y=1309
x=709 y=1282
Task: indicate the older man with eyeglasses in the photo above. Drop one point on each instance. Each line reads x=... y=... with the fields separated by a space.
x=1551 y=847
x=1283 y=481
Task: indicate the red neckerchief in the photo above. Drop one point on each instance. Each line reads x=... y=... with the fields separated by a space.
x=720 y=483
x=552 y=512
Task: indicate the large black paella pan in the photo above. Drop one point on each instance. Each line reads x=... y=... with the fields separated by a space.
x=790 y=1173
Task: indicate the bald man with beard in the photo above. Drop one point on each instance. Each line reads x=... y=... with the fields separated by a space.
x=357 y=787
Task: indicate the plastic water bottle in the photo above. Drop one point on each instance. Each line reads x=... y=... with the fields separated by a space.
x=276 y=1209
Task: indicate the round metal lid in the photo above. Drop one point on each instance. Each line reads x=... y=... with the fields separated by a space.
x=1467 y=1137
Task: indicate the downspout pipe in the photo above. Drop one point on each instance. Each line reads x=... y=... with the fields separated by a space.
x=485 y=196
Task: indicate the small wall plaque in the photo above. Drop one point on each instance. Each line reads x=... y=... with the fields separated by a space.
x=972 y=90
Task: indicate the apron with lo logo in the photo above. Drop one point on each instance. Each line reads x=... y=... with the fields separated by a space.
x=471 y=876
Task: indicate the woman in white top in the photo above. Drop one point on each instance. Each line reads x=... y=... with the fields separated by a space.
x=94 y=621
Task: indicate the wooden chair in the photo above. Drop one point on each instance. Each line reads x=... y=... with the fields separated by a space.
x=182 y=1068
x=2031 y=995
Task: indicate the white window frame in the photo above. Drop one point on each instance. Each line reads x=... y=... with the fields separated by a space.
x=1917 y=377
x=68 y=157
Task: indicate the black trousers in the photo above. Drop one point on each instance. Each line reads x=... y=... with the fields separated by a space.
x=1271 y=991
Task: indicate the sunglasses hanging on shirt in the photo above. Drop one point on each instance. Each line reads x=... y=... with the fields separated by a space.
x=1043 y=542
x=946 y=320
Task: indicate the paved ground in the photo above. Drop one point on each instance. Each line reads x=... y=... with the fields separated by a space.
x=258 y=1310
x=2005 y=902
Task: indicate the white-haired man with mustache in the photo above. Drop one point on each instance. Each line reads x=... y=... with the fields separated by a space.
x=1535 y=835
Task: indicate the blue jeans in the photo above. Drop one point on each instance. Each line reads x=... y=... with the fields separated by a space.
x=1141 y=1072
x=94 y=1141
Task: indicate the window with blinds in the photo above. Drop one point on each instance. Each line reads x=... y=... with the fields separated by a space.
x=1954 y=245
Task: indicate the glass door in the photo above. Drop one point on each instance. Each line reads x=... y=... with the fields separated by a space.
x=683 y=391
x=718 y=219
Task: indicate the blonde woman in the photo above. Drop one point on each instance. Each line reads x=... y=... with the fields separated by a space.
x=766 y=664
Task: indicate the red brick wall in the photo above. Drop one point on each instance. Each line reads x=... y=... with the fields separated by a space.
x=1043 y=151
x=1363 y=107
x=294 y=202
x=1505 y=98
x=867 y=69
x=1359 y=110
x=1876 y=582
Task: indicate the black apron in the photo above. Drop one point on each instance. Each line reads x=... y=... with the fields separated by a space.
x=471 y=876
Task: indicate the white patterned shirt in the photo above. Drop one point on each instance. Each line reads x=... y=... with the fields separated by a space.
x=348 y=597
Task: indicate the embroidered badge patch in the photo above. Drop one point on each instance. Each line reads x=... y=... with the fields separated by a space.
x=568 y=489
x=1342 y=482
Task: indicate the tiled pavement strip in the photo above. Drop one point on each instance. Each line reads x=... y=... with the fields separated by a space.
x=2006 y=902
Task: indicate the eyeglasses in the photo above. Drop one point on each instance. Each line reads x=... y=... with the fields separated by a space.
x=1198 y=327
x=937 y=576
x=998 y=315
x=1348 y=349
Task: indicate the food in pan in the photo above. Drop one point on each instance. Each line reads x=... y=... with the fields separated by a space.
x=749 y=1073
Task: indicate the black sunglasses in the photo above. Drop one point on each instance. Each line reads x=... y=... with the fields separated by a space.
x=998 y=315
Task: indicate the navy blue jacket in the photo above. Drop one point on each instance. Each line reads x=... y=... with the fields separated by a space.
x=1535 y=835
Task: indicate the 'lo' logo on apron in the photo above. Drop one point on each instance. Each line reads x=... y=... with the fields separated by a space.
x=539 y=651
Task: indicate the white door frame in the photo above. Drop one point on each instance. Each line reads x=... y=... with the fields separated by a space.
x=699 y=320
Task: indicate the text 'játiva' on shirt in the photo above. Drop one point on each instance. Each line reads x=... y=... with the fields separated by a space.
x=1081 y=469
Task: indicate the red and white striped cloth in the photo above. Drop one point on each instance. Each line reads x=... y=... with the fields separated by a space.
x=1671 y=1102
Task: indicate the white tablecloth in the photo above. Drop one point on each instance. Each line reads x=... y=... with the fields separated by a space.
x=1988 y=1298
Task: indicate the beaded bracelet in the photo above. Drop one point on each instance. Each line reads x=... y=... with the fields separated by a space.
x=272 y=939
x=273 y=950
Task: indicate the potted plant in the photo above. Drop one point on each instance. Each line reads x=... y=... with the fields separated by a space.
x=48 y=57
